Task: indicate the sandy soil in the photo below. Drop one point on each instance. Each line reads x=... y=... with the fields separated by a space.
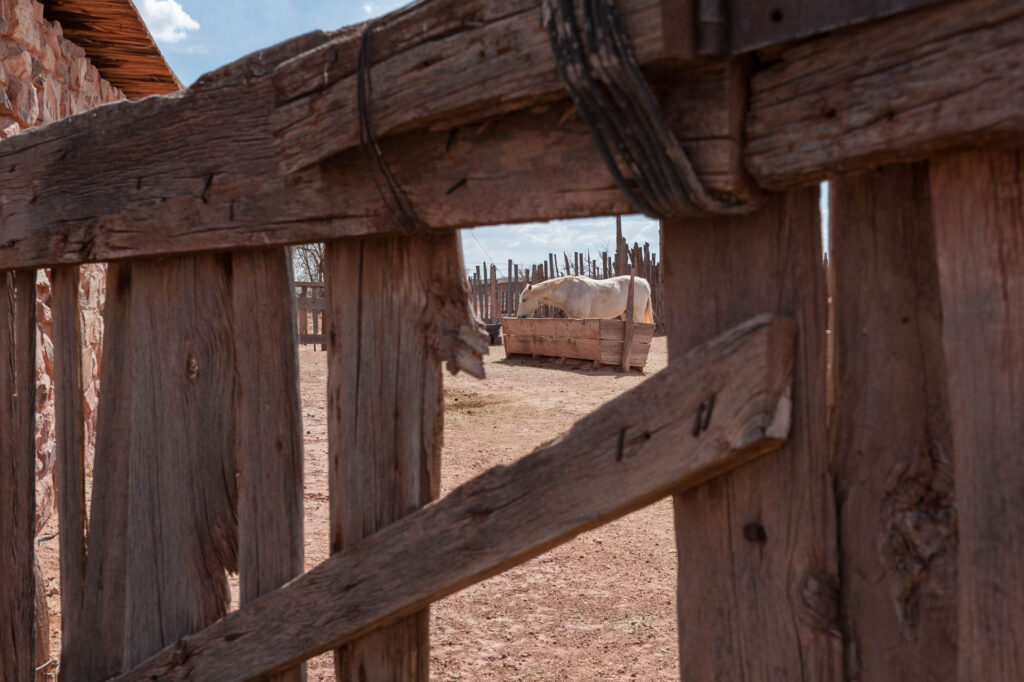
x=598 y=607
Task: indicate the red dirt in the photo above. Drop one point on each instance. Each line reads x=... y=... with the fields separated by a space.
x=601 y=606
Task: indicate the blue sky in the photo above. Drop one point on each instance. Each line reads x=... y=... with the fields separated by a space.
x=197 y=36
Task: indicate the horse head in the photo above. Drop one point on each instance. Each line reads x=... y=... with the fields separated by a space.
x=528 y=302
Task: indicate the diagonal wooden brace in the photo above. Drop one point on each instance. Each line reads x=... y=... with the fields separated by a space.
x=633 y=451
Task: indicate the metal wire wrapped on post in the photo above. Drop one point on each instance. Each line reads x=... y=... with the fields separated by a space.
x=622 y=114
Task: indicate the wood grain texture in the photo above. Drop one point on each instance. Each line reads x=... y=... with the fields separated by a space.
x=978 y=208
x=97 y=648
x=70 y=442
x=474 y=58
x=602 y=352
x=268 y=431
x=17 y=474
x=753 y=23
x=893 y=447
x=629 y=453
x=758 y=578
x=182 y=525
x=197 y=170
x=384 y=398
x=893 y=90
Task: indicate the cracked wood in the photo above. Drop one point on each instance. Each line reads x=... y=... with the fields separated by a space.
x=511 y=514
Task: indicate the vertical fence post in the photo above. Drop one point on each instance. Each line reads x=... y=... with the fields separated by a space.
x=17 y=474
x=891 y=432
x=758 y=575
x=979 y=234
x=385 y=429
x=627 y=337
x=70 y=442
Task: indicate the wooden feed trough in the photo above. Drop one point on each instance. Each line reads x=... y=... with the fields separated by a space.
x=597 y=340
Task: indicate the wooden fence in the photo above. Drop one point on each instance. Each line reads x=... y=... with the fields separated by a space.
x=310 y=304
x=496 y=295
x=883 y=543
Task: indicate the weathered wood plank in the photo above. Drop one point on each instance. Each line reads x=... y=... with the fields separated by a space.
x=893 y=90
x=479 y=58
x=17 y=474
x=753 y=24
x=182 y=523
x=383 y=392
x=608 y=330
x=197 y=170
x=893 y=447
x=70 y=437
x=305 y=303
x=313 y=338
x=977 y=199
x=758 y=579
x=602 y=352
x=556 y=347
x=615 y=330
x=268 y=426
x=97 y=648
x=558 y=327
x=629 y=453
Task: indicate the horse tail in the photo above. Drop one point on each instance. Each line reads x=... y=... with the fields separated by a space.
x=649 y=312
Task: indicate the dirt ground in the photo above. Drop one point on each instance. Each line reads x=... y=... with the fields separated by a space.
x=601 y=606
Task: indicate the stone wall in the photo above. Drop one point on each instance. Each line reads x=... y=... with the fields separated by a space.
x=43 y=78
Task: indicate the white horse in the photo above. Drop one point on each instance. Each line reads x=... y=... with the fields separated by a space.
x=582 y=297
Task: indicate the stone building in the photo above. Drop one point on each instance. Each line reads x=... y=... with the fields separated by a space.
x=58 y=58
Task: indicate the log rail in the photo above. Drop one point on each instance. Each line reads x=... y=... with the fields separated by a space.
x=250 y=154
x=192 y=197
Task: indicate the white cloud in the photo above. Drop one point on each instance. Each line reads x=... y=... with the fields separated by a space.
x=167 y=21
x=374 y=9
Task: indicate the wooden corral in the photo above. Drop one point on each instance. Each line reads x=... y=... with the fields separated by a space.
x=883 y=543
x=601 y=341
x=495 y=294
x=311 y=306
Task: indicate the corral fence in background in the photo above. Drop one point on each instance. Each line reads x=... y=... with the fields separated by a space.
x=496 y=295
x=310 y=307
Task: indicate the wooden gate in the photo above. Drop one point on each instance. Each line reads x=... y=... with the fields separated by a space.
x=888 y=548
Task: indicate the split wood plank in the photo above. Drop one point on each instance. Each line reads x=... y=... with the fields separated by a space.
x=629 y=453
x=182 y=491
x=70 y=441
x=123 y=180
x=890 y=91
x=96 y=649
x=17 y=474
x=977 y=199
x=385 y=405
x=268 y=426
x=891 y=430
x=758 y=574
